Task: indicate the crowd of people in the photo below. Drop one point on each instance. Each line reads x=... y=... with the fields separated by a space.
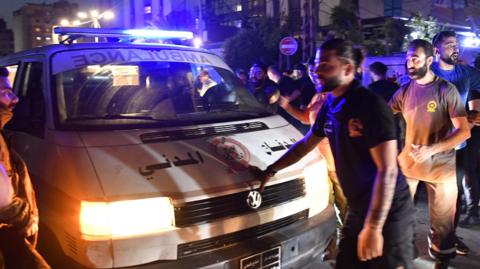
x=380 y=142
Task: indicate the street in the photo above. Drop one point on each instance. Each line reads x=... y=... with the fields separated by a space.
x=471 y=237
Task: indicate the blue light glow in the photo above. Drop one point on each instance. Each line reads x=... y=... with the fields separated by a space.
x=158 y=34
x=129 y=33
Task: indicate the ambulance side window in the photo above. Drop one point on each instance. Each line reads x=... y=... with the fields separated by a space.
x=29 y=114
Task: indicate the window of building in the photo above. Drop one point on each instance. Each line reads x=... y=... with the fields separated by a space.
x=392 y=8
x=148 y=9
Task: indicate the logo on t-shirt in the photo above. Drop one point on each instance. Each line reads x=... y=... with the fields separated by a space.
x=432 y=106
x=355 y=127
x=328 y=127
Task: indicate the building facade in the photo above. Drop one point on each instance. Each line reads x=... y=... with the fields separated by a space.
x=6 y=39
x=33 y=23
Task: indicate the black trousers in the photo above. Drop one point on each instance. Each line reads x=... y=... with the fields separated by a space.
x=398 y=248
x=17 y=253
x=468 y=177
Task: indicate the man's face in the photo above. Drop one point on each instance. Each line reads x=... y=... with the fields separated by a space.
x=313 y=77
x=330 y=70
x=272 y=76
x=257 y=74
x=7 y=98
x=297 y=74
x=417 y=63
x=448 y=50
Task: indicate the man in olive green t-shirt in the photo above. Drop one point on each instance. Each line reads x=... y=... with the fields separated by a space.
x=436 y=122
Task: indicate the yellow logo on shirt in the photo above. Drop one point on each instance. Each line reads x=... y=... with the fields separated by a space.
x=431 y=106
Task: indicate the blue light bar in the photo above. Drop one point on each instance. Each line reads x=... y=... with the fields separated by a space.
x=161 y=34
x=123 y=33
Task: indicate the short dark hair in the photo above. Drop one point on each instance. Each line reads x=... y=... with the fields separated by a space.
x=4 y=72
x=421 y=43
x=240 y=72
x=300 y=67
x=273 y=69
x=439 y=37
x=378 y=68
x=344 y=49
x=261 y=66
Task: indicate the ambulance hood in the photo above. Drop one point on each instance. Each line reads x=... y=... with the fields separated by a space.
x=134 y=164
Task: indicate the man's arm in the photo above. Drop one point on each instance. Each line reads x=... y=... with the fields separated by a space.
x=455 y=138
x=474 y=113
x=296 y=152
x=370 y=239
x=6 y=188
x=301 y=115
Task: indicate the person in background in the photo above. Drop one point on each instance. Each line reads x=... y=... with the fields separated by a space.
x=289 y=90
x=242 y=76
x=436 y=123
x=307 y=87
x=18 y=208
x=381 y=85
x=378 y=230
x=467 y=81
x=263 y=88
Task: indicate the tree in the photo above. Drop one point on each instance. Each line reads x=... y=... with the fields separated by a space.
x=258 y=42
x=243 y=49
x=423 y=28
x=346 y=24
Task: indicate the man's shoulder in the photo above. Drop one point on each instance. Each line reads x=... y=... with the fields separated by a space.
x=364 y=97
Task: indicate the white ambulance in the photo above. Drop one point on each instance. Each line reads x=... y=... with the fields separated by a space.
x=139 y=161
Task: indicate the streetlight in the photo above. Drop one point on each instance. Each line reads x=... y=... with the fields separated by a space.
x=64 y=22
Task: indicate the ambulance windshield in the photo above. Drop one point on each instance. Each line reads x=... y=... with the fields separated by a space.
x=148 y=87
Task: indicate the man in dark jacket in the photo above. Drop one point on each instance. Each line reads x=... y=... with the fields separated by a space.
x=18 y=209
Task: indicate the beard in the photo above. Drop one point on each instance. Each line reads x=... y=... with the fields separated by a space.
x=418 y=73
x=330 y=84
x=451 y=59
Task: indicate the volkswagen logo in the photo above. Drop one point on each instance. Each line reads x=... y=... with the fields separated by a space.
x=254 y=199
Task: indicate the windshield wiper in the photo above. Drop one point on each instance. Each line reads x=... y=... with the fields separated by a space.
x=114 y=117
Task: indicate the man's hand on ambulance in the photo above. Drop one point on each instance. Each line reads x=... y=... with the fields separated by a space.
x=261 y=175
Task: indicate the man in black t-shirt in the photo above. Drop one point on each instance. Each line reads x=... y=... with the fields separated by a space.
x=381 y=85
x=361 y=130
x=289 y=90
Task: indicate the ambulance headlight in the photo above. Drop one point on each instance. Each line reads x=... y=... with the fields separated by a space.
x=126 y=218
x=317 y=186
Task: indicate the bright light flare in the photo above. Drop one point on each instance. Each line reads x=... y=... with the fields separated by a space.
x=108 y=15
x=76 y=23
x=126 y=218
x=471 y=42
x=317 y=186
x=94 y=13
x=64 y=22
x=82 y=15
x=197 y=42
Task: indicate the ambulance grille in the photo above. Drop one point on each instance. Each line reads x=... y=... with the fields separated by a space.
x=230 y=239
x=202 y=132
x=212 y=209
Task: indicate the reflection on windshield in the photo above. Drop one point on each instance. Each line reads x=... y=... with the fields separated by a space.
x=162 y=91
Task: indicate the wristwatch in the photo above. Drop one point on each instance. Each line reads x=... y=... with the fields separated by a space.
x=270 y=171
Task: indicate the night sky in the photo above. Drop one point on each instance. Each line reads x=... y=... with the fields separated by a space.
x=8 y=6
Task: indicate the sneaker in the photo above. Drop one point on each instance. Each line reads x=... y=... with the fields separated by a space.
x=441 y=264
x=462 y=249
x=469 y=221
